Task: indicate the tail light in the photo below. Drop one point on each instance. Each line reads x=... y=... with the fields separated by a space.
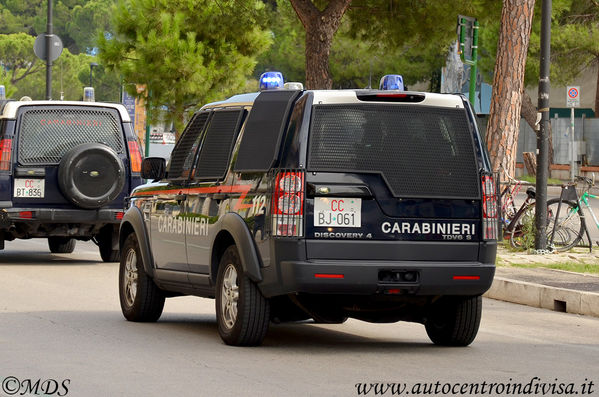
x=135 y=156
x=489 y=208
x=5 y=154
x=288 y=204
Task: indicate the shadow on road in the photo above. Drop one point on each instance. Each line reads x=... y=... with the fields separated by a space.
x=21 y=258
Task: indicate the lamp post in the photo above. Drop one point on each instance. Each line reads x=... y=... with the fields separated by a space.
x=91 y=68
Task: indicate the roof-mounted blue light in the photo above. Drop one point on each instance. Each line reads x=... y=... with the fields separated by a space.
x=391 y=82
x=271 y=81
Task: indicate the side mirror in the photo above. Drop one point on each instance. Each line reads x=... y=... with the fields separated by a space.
x=153 y=168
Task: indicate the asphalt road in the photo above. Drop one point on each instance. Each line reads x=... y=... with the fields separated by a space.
x=60 y=323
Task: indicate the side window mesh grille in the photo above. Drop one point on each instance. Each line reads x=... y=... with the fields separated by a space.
x=213 y=161
x=184 y=153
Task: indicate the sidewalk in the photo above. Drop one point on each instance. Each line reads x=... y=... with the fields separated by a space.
x=557 y=290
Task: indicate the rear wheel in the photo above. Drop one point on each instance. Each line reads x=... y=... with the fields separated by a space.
x=454 y=321
x=105 y=244
x=61 y=245
x=570 y=227
x=242 y=313
x=141 y=300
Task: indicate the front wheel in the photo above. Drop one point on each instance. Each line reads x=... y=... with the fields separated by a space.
x=454 y=320
x=522 y=235
x=141 y=300
x=242 y=313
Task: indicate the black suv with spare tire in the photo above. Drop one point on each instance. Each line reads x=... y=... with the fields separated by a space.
x=289 y=205
x=65 y=170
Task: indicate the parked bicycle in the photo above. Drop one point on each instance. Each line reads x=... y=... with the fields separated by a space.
x=569 y=227
x=507 y=196
x=520 y=229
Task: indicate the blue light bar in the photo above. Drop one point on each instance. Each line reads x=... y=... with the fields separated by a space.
x=271 y=81
x=391 y=82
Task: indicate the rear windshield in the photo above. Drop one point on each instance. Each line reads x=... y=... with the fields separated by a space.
x=420 y=151
x=47 y=134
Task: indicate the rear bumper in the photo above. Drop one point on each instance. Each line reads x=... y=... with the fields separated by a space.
x=54 y=215
x=367 y=278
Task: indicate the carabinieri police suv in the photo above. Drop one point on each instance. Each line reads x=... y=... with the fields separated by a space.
x=291 y=204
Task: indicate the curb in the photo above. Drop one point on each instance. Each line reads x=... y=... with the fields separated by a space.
x=545 y=297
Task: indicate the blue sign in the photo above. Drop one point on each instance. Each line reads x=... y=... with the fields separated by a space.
x=129 y=103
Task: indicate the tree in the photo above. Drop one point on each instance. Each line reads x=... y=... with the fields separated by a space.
x=76 y=22
x=25 y=73
x=355 y=62
x=185 y=52
x=287 y=52
x=575 y=44
x=86 y=21
x=17 y=57
x=320 y=28
x=508 y=83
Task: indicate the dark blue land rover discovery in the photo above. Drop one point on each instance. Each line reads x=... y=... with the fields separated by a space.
x=65 y=170
x=286 y=205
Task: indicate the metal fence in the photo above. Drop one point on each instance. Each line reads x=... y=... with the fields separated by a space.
x=586 y=136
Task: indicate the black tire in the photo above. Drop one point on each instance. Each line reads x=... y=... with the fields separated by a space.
x=141 y=300
x=104 y=240
x=522 y=234
x=242 y=313
x=454 y=321
x=91 y=175
x=570 y=228
x=61 y=245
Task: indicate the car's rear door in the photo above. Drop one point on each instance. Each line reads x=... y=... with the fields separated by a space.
x=47 y=134
x=390 y=181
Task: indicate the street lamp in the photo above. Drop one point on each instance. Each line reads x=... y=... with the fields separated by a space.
x=91 y=68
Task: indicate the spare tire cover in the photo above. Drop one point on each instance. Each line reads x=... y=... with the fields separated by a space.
x=91 y=175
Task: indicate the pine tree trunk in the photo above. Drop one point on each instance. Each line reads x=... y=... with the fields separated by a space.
x=319 y=38
x=320 y=27
x=529 y=114
x=508 y=82
x=597 y=89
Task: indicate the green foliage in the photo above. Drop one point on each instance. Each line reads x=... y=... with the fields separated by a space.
x=529 y=229
x=287 y=53
x=21 y=16
x=415 y=36
x=9 y=88
x=76 y=22
x=357 y=59
x=25 y=75
x=574 y=40
x=16 y=54
x=65 y=79
x=87 y=20
x=185 y=52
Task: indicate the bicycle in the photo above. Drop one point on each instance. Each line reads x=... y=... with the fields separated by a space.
x=521 y=227
x=507 y=196
x=570 y=229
